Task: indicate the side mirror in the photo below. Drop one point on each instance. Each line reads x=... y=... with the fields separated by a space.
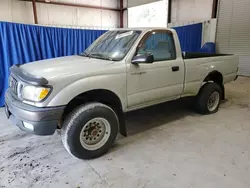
x=143 y=58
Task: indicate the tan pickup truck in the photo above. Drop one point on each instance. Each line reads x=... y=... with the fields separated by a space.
x=87 y=95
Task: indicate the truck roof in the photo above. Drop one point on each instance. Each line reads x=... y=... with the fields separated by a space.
x=143 y=28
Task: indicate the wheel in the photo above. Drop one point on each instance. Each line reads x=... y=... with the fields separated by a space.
x=208 y=99
x=90 y=130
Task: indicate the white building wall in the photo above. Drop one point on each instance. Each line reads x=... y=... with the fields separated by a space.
x=148 y=15
x=191 y=10
x=22 y=12
x=125 y=19
x=125 y=13
x=16 y=11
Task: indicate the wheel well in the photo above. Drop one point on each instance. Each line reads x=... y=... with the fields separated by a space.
x=100 y=95
x=216 y=77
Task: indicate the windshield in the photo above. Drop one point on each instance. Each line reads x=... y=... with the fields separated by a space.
x=113 y=45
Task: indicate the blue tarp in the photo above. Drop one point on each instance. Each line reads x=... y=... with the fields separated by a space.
x=190 y=37
x=208 y=47
x=20 y=43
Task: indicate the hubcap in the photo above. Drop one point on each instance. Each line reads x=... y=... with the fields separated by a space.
x=213 y=101
x=95 y=133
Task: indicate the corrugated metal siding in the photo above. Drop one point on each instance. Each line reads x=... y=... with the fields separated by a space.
x=233 y=31
x=224 y=26
x=244 y=67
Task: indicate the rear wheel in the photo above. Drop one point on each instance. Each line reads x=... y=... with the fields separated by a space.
x=208 y=99
x=90 y=130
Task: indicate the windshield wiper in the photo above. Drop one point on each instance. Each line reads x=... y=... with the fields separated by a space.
x=100 y=56
x=85 y=54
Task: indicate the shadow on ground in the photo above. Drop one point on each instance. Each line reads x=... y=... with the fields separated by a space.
x=154 y=116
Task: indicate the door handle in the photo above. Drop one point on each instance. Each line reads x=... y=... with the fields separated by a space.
x=140 y=73
x=176 y=68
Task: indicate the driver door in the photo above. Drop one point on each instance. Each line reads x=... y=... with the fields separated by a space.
x=162 y=80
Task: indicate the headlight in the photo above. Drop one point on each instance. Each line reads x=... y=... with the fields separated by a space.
x=34 y=93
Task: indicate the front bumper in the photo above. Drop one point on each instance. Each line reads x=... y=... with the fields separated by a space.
x=44 y=121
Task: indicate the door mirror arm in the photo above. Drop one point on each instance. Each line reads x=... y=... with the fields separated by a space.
x=142 y=58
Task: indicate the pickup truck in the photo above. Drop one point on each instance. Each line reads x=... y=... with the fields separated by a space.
x=87 y=95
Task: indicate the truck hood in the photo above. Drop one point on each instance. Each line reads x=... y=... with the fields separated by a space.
x=63 y=66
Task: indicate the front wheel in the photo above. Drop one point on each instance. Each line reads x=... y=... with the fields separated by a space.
x=90 y=130
x=209 y=98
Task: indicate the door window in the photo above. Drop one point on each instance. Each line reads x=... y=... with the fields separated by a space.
x=160 y=44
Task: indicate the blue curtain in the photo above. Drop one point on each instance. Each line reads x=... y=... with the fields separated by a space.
x=20 y=43
x=190 y=37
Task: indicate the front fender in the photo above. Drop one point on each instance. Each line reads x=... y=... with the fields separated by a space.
x=114 y=82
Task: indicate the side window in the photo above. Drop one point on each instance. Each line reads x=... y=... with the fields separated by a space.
x=160 y=44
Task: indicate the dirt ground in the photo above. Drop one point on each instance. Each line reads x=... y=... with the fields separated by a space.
x=168 y=146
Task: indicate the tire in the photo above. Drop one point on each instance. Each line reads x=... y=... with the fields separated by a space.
x=90 y=130
x=204 y=100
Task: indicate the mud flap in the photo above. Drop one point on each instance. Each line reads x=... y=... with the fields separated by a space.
x=122 y=124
